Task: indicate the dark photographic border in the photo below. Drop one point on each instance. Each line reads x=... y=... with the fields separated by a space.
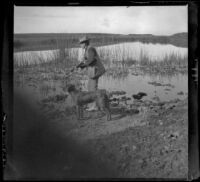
x=7 y=12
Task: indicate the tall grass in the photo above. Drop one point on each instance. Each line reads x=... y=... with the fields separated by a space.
x=63 y=56
x=171 y=60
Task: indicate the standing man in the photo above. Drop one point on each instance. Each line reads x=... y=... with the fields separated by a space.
x=94 y=66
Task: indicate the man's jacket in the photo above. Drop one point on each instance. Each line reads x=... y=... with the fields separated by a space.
x=95 y=68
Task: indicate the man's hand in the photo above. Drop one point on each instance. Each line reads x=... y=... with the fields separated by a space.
x=81 y=65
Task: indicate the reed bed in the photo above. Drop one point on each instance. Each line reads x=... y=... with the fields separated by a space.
x=69 y=57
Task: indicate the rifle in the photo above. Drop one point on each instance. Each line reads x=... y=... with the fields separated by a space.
x=80 y=65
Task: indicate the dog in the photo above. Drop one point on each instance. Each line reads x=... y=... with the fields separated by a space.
x=80 y=98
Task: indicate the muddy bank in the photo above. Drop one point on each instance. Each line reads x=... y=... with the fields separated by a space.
x=149 y=144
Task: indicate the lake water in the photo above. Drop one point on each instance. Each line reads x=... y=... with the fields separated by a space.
x=141 y=83
x=131 y=84
x=116 y=52
x=134 y=50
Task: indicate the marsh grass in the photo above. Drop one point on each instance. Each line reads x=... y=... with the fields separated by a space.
x=62 y=60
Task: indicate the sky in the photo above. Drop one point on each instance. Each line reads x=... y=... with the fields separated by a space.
x=156 y=20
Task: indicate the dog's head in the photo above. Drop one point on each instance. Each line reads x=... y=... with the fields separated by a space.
x=71 y=88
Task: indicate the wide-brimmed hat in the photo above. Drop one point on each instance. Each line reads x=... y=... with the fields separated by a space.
x=84 y=39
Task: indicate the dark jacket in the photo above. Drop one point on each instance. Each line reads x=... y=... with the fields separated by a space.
x=94 y=65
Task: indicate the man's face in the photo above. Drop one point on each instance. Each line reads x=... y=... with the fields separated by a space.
x=83 y=45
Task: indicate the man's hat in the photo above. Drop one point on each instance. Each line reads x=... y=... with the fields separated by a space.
x=83 y=39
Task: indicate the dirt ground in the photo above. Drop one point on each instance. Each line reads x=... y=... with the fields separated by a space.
x=150 y=143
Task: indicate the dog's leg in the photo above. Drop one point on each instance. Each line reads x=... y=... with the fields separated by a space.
x=107 y=110
x=98 y=105
x=81 y=112
x=104 y=106
x=78 y=112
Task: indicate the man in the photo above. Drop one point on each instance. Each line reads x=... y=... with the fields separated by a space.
x=94 y=67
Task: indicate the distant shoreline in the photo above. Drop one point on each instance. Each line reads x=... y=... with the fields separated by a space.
x=50 y=41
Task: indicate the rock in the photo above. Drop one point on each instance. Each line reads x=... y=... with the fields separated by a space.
x=123 y=166
x=118 y=93
x=156 y=98
x=144 y=163
x=166 y=149
x=171 y=107
x=160 y=122
x=148 y=103
x=122 y=92
x=134 y=147
x=139 y=95
x=161 y=104
x=169 y=85
x=176 y=100
x=151 y=107
x=180 y=93
x=114 y=104
x=124 y=147
x=135 y=74
x=114 y=99
x=174 y=135
x=132 y=111
x=123 y=98
x=128 y=98
x=155 y=83
x=140 y=161
x=142 y=94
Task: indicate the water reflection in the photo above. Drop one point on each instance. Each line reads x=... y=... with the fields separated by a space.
x=117 y=52
x=134 y=84
x=166 y=88
x=134 y=50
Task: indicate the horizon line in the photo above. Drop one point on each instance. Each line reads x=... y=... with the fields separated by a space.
x=102 y=33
